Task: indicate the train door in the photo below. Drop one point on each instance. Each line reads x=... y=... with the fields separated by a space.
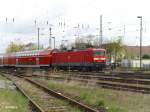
x=17 y=61
x=2 y=62
x=37 y=60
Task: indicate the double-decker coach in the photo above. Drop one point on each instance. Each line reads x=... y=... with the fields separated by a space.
x=33 y=59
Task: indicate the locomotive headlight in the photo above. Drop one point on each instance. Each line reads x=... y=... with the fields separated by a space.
x=99 y=58
x=102 y=58
x=96 y=58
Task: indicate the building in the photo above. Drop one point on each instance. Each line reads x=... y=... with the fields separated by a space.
x=135 y=63
x=135 y=50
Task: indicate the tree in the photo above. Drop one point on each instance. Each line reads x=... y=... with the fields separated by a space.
x=13 y=47
x=116 y=50
x=146 y=56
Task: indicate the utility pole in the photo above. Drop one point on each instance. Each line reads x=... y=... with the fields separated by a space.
x=124 y=32
x=54 y=41
x=50 y=30
x=35 y=23
x=101 y=32
x=38 y=38
x=6 y=20
x=141 y=29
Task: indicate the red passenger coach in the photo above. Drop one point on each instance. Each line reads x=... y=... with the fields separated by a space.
x=9 y=60
x=1 y=60
x=90 y=59
x=34 y=58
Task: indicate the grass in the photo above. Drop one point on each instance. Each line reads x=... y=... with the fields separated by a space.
x=3 y=78
x=12 y=101
x=114 y=101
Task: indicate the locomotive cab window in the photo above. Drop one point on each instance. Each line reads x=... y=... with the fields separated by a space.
x=99 y=53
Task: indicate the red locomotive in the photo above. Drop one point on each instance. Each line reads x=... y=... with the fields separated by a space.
x=89 y=59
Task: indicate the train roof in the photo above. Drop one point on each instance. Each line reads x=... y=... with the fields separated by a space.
x=76 y=50
x=29 y=53
x=45 y=52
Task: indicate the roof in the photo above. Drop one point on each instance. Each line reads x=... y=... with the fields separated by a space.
x=136 y=49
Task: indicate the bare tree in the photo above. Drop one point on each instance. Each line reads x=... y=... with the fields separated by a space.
x=84 y=42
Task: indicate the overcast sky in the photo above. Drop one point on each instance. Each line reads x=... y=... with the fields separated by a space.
x=116 y=14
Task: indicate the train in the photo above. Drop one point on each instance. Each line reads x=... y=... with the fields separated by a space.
x=85 y=60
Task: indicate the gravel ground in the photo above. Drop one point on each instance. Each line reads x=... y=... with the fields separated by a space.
x=6 y=84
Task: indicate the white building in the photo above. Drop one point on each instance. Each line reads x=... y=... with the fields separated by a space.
x=136 y=63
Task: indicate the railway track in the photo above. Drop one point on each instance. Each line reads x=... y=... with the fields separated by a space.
x=124 y=81
x=33 y=105
x=112 y=74
x=134 y=87
x=107 y=81
x=112 y=79
x=49 y=97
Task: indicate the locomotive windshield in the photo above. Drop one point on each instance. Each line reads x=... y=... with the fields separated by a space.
x=99 y=53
